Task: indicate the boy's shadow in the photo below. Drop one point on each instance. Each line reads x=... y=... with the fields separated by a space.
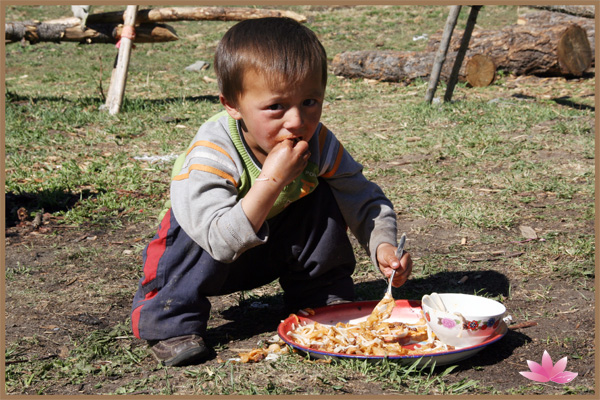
x=248 y=318
x=256 y=316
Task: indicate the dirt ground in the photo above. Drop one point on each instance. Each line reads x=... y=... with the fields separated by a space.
x=72 y=307
x=81 y=279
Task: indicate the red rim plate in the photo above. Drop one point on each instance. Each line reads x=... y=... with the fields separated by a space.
x=407 y=311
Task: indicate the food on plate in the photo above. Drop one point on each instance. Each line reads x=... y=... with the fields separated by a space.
x=372 y=337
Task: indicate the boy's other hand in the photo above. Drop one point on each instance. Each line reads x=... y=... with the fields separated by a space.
x=286 y=161
x=386 y=257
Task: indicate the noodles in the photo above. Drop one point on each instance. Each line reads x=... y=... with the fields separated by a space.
x=372 y=337
x=383 y=309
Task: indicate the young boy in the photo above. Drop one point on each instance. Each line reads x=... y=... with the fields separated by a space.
x=264 y=192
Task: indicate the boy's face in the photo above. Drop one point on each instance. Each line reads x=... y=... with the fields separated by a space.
x=270 y=115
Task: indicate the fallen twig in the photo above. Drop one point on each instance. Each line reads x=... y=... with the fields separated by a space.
x=522 y=325
x=494 y=258
x=8 y=362
x=72 y=281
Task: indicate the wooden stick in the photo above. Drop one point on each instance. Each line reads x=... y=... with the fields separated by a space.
x=441 y=54
x=494 y=258
x=460 y=56
x=522 y=325
x=196 y=14
x=119 y=77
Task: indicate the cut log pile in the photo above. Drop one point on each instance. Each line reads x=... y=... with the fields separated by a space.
x=107 y=27
x=531 y=50
x=69 y=30
x=542 y=43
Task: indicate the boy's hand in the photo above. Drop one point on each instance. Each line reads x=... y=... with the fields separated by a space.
x=386 y=257
x=283 y=164
x=286 y=161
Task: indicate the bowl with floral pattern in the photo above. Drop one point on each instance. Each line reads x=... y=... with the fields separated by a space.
x=462 y=320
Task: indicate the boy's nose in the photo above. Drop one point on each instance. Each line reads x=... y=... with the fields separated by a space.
x=294 y=119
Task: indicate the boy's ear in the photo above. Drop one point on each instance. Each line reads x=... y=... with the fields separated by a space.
x=230 y=108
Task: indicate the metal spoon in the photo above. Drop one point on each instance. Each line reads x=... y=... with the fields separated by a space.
x=399 y=254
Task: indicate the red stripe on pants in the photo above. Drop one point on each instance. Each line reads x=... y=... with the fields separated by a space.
x=156 y=249
x=135 y=320
x=135 y=315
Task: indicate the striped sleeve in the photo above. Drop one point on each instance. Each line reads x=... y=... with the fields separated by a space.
x=204 y=195
x=207 y=157
x=331 y=151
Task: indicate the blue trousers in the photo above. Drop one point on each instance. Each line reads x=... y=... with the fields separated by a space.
x=308 y=250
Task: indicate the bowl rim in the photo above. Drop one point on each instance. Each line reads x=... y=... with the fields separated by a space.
x=471 y=316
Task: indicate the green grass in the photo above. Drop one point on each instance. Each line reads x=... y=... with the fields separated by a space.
x=108 y=355
x=62 y=127
x=103 y=353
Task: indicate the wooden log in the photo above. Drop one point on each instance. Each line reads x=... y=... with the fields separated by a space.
x=390 y=66
x=531 y=50
x=580 y=11
x=196 y=14
x=549 y=50
x=68 y=31
x=480 y=71
x=574 y=52
x=541 y=19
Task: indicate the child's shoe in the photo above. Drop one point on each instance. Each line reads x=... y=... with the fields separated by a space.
x=179 y=350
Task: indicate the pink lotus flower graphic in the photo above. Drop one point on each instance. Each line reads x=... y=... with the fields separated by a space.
x=548 y=371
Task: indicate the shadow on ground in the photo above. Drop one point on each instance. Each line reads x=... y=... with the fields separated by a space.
x=47 y=200
x=128 y=104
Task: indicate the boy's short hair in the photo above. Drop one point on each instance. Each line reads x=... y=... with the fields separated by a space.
x=280 y=49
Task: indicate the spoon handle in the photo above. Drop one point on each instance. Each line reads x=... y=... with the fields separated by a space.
x=399 y=254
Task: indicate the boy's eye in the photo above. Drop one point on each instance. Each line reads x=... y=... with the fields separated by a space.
x=275 y=107
x=310 y=102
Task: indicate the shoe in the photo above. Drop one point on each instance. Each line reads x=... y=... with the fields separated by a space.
x=180 y=350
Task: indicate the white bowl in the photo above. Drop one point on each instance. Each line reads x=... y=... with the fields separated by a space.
x=468 y=320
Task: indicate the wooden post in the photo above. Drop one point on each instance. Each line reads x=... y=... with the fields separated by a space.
x=462 y=50
x=441 y=54
x=119 y=76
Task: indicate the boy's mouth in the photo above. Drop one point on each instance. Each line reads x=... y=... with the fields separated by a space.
x=293 y=139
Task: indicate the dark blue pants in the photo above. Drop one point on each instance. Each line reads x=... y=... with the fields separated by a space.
x=308 y=250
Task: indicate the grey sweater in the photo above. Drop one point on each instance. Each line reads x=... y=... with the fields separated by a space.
x=212 y=177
